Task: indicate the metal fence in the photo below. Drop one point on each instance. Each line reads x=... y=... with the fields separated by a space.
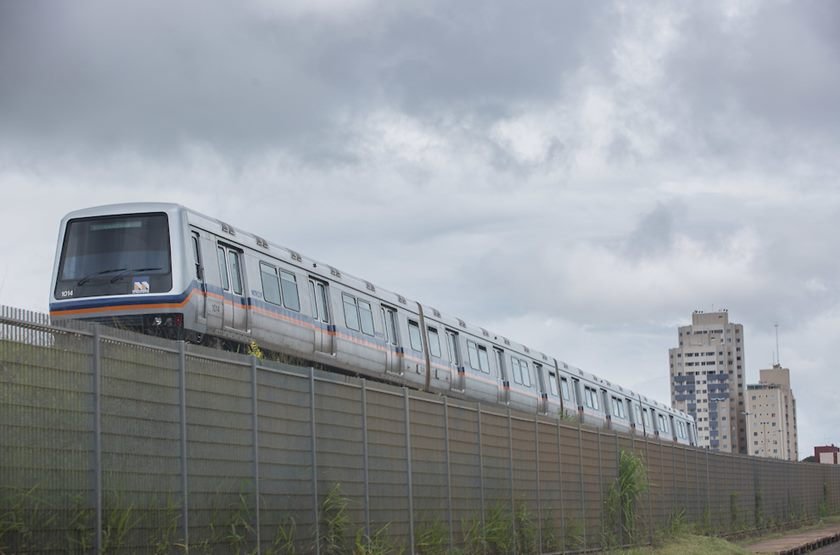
x=116 y=442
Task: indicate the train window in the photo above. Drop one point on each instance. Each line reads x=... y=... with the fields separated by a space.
x=351 y=313
x=452 y=344
x=618 y=408
x=564 y=389
x=591 y=398
x=483 y=359
x=472 y=349
x=414 y=336
x=235 y=275
x=196 y=257
x=521 y=371
x=389 y=319
x=638 y=411
x=478 y=357
x=271 y=287
x=648 y=423
x=223 y=268
x=323 y=304
x=313 y=300
x=552 y=384
x=288 y=282
x=434 y=342
x=366 y=317
x=663 y=424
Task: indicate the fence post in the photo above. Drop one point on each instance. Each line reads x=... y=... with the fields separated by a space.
x=408 y=469
x=560 y=483
x=365 y=457
x=510 y=473
x=314 y=457
x=580 y=475
x=182 y=386
x=448 y=471
x=480 y=466
x=600 y=481
x=255 y=423
x=652 y=521
x=539 y=504
x=708 y=490
x=97 y=431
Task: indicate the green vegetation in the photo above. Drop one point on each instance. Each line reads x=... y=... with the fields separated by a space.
x=433 y=539
x=690 y=544
x=622 y=498
x=334 y=522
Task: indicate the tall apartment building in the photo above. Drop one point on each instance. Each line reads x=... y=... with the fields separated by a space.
x=771 y=416
x=707 y=380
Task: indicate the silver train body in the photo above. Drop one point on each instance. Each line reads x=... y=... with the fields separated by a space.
x=170 y=271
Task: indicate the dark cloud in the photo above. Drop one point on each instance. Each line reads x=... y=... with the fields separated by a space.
x=579 y=176
x=759 y=87
x=154 y=76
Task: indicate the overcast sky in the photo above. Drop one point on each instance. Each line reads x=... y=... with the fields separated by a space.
x=579 y=176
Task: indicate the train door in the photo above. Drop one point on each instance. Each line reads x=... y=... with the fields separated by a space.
x=504 y=379
x=234 y=309
x=554 y=388
x=393 y=360
x=319 y=299
x=198 y=272
x=648 y=422
x=578 y=396
x=542 y=403
x=455 y=360
x=608 y=409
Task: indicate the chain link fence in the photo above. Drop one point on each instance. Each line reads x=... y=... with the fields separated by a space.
x=123 y=443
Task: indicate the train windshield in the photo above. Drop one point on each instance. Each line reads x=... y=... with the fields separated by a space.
x=115 y=255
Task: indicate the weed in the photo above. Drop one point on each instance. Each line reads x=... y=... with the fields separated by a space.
x=495 y=535
x=526 y=531
x=118 y=520
x=284 y=539
x=823 y=508
x=550 y=541
x=733 y=510
x=80 y=529
x=254 y=350
x=622 y=497
x=239 y=528
x=574 y=539
x=25 y=513
x=758 y=509
x=334 y=522
x=376 y=544
x=168 y=531
x=433 y=539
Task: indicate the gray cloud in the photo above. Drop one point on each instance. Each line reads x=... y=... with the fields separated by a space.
x=578 y=176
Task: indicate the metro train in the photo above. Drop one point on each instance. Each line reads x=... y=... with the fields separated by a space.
x=166 y=270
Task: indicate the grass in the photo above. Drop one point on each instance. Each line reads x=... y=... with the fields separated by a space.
x=691 y=544
x=685 y=542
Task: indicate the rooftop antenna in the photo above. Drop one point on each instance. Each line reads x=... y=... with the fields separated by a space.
x=778 y=361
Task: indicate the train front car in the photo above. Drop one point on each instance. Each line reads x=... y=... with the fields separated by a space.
x=121 y=265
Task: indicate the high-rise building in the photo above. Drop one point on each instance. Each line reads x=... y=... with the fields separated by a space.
x=707 y=380
x=771 y=416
